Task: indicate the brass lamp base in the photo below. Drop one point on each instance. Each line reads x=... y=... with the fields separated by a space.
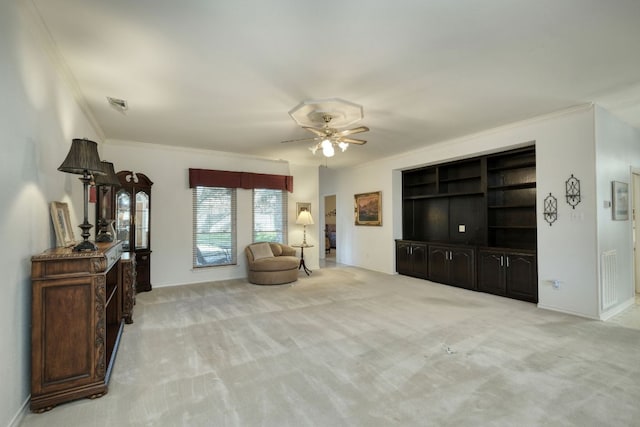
x=104 y=233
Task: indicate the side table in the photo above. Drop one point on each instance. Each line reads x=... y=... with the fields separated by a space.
x=302 y=264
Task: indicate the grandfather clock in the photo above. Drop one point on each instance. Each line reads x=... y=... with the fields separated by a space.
x=132 y=213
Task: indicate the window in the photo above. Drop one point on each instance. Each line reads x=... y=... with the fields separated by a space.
x=269 y=215
x=214 y=226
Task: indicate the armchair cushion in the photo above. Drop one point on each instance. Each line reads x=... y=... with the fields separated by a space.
x=261 y=250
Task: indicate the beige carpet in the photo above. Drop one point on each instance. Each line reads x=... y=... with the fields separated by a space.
x=349 y=347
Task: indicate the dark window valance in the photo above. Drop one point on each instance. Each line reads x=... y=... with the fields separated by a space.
x=247 y=180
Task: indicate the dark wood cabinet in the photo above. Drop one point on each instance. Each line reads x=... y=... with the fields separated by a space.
x=507 y=273
x=132 y=213
x=411 y=258
x=482 y=202
x=76 y=323
x=491 y=278
x=521 y=276
x=452 y=265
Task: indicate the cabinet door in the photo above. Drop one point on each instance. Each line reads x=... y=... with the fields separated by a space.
x=462 y=268
x=419 y=260
x=521 y=275
x=142 y=221
x=123 y=218
x=63 y=336
x=491 y=272
x=439 y=264
x=143 y=271
x=403 y=257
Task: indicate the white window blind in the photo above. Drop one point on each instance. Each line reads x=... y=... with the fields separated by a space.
x=269 y=215
x=214 y=226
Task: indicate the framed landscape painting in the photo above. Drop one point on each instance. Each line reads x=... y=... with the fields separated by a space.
x=368 y=209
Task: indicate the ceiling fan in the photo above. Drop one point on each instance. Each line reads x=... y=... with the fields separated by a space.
x=327 y=137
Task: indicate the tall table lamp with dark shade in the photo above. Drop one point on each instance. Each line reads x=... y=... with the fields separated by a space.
x=304 y=219
x=83 y=159
x=104 y=183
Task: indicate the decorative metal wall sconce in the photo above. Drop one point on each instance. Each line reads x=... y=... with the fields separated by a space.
x=550 y=209
x=573 y=191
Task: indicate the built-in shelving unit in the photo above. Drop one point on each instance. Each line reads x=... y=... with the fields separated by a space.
x=511 y=197
x=460 y=210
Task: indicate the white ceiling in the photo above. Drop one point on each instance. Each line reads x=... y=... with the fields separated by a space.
x=223 y=74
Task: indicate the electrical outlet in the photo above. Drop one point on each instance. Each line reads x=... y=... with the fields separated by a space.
x=462 y=228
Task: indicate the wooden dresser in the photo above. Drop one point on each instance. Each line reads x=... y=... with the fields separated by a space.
x=77 y=321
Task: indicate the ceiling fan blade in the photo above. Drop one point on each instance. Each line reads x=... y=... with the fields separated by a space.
x=301 y=140
x=352 y=131
x=319 y=132
x=353 y=141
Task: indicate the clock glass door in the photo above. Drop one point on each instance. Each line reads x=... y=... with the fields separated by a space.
x=123 y=218
x=142 y=220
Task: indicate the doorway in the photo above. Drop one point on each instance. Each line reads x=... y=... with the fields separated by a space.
x=330 y=231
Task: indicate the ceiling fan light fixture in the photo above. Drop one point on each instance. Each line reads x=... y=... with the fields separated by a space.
x=328 y=150
x=324 y=118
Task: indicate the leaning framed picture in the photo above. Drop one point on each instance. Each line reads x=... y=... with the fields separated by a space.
x=620 y=201
x=368 y=208
x=62 y=224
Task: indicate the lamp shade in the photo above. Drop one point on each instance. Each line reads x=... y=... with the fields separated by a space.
x=82 y=157
x=109 y=177
x=304 y=218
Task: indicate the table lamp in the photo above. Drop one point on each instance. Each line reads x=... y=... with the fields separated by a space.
x=304 y=218
x=104 y=183
x=83 y=159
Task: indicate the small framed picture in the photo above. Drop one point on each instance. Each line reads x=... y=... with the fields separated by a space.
x=620 y=201
x=368 y=209
x=302 y=206
x=62 y=224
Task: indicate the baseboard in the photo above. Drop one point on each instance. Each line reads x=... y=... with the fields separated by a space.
x=17 y=419
x=618 y=309
x=562 y=310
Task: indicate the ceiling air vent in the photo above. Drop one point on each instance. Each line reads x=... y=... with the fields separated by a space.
x=119 y=104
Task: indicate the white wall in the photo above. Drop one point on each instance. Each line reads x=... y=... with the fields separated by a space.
x=38 y=119
x=370 y=247
x=171 y=205
x=565 y=144
x=306 y=181
x=617 y=150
